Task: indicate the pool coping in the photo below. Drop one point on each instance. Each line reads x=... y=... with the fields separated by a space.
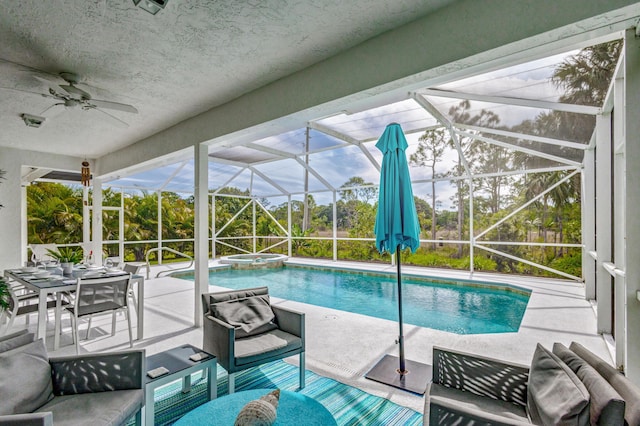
x=454 y=281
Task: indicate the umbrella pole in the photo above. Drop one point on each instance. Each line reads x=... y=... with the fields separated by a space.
x=402 y=369
x=411 y=375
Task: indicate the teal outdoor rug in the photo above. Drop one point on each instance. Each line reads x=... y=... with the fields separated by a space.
x=348 y=405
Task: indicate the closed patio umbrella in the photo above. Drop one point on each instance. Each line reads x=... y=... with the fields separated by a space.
x=397 y=228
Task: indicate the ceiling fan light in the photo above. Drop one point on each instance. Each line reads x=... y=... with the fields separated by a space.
x=32 y=120
x=151 y=6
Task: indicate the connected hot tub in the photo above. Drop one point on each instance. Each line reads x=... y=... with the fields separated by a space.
x=256 y=260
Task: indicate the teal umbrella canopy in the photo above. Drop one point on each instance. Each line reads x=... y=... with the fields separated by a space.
x=396 y=219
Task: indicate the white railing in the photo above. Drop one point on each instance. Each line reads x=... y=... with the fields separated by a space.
x=158 y=249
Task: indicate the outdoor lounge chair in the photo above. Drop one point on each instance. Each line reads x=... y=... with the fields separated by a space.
x=563 y=386
x=242 y=329
x=96 y=389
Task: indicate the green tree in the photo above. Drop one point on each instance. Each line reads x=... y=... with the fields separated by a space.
x=586 y=76
x=352 y=192
x=354 y=206
x=430 y=152
x=54 y=213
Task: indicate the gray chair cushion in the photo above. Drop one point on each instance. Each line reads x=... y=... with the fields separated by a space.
x=249 y=315
x=469 y=406
x=16 y=340
x=627 y=390
x=30 y=386
x=607 y=406
x=222 y=296
x=555 y=395
x=273 y=343
x=95 y=409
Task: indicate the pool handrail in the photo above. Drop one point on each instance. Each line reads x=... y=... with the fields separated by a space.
x=170 y=270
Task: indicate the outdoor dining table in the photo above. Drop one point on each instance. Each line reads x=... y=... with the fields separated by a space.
x=56 y=284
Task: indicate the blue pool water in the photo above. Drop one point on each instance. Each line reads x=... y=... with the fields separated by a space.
x=453 y=307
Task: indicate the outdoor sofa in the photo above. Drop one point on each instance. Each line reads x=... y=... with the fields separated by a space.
x=565 y=386
x=91 y=389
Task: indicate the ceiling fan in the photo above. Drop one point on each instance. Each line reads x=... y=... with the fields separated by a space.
x=71 y=96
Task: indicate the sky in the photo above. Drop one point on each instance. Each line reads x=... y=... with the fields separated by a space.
x=530 y=80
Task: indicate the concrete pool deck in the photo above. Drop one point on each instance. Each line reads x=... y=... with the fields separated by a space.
x=344 y=345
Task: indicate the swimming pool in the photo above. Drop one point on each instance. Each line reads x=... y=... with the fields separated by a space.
x=453 y=306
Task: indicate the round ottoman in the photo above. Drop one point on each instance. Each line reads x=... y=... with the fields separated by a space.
x=293 y=409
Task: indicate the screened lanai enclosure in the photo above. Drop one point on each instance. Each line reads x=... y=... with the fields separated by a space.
x=497 y=164
x=522 y=123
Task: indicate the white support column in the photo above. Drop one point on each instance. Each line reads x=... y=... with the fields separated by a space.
x=159 y=252
x=86 y=218
x=619 y=202
x=335 y=226
x=290 y=248
x=96 y=223
x=24 y=230
x=213 y=227
x=121 y=227
x=588 y=224
x=603 y=222
x=632 y=198
x=254 y=224
x=201 y=243
x=472 y=238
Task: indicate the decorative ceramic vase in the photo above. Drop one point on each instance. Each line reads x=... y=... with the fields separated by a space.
x=67 y=268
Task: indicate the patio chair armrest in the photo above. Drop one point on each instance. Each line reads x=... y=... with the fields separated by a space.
x=218 y=339
x=290 y=321
x=440 y=412
x=30 y=419
x=481 y=375
x=98 y=372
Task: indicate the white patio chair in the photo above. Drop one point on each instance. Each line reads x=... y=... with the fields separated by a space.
x=96 y=296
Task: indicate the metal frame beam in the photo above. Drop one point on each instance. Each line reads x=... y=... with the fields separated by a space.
x=506 y=100
x=533 y=138
x=519 y=148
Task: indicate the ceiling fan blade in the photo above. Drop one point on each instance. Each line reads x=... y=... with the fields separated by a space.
x=113 y=120
x=52 y=85
x=13 y=89
x=53 y=110
x=114 y=105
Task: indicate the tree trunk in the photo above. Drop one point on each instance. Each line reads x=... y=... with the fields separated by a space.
x=433 y=214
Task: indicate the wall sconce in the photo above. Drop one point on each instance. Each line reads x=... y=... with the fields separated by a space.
x=151 y=6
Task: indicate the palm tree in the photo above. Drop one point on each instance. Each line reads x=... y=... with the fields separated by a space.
x=54 y=213
x=587 y=75
x=585 y=78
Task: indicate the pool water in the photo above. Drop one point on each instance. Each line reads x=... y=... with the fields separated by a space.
x=454 y=307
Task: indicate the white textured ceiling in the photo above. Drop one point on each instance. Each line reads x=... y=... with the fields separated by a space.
x=188 y=58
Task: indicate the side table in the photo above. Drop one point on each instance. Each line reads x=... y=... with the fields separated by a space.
x=177 y=361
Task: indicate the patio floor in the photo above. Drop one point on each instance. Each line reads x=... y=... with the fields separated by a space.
x=343 y=345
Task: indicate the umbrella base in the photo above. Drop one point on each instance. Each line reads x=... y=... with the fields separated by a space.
x=386 y=371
